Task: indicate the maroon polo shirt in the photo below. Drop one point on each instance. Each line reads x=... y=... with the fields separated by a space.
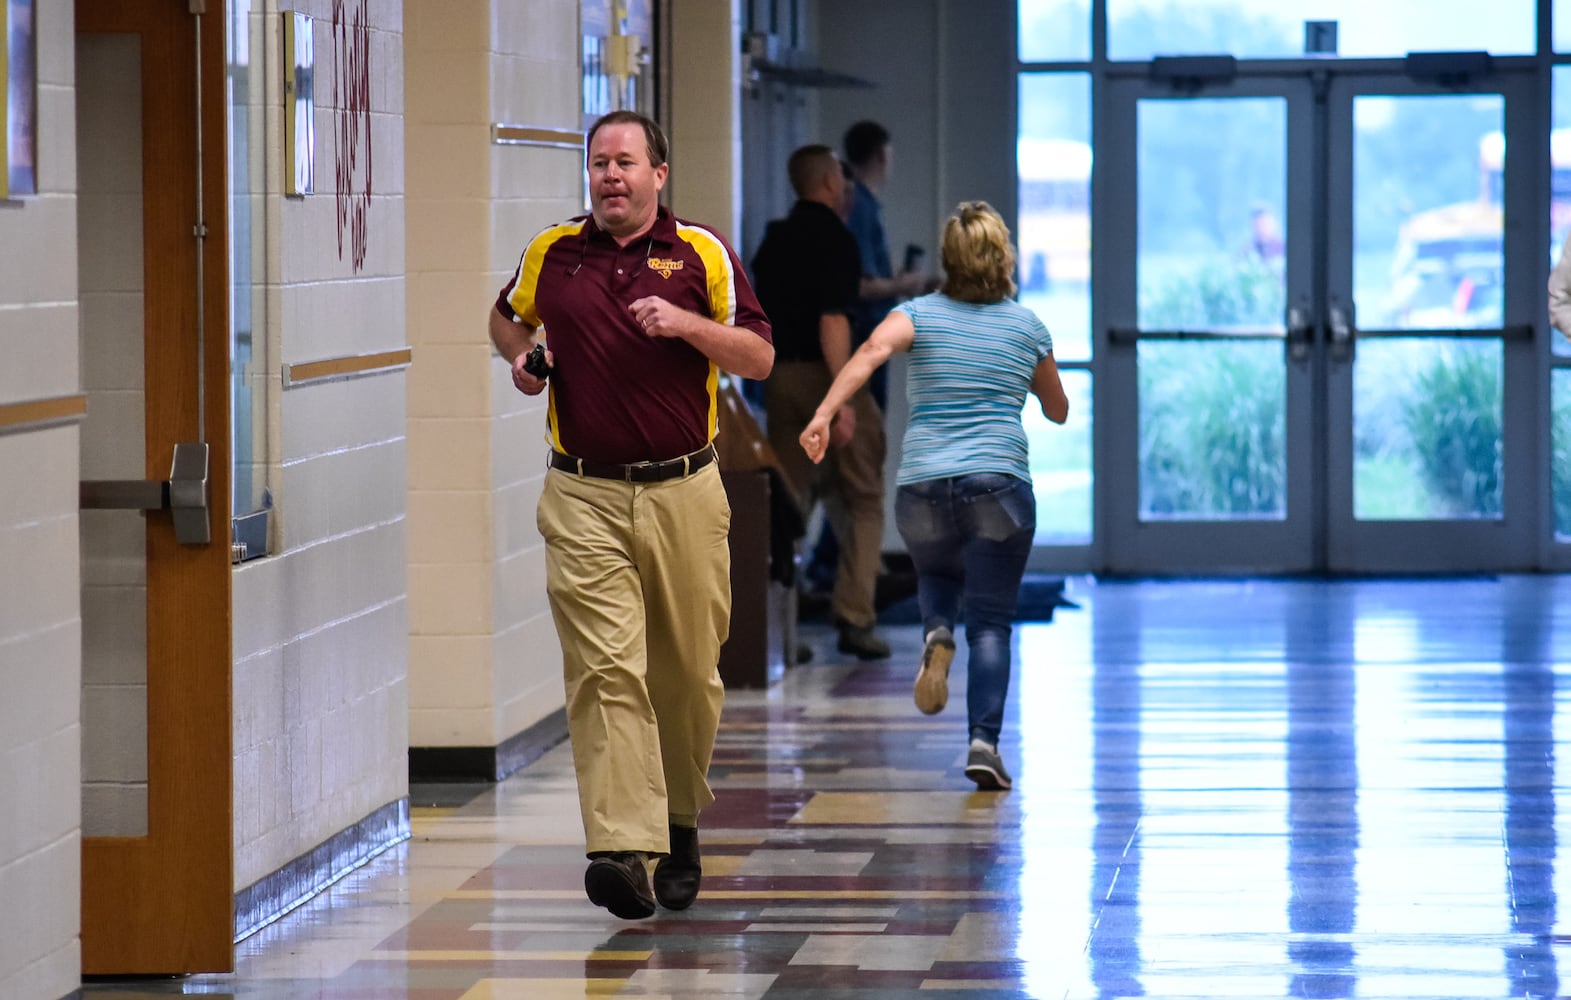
x=618 y=394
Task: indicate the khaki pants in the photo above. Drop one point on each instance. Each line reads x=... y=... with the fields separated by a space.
x=639 y=581
x=850 y=480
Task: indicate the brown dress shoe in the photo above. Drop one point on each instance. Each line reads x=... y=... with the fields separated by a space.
x=678 y=873
x=619 y=882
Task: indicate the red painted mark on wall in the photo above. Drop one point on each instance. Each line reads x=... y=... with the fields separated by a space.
x=352 y=126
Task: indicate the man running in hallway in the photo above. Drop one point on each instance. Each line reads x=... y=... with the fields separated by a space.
x=642 y=311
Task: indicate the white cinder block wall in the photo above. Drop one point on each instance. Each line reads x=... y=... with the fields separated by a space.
x=484 y=660
x=706 y=125
x=40 y=626
x=534 y=80
x=321 y=626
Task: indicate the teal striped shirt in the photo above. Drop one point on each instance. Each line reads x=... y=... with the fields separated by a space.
x=971 y=367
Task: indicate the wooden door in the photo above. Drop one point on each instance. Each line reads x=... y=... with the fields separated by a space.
x=163 y=901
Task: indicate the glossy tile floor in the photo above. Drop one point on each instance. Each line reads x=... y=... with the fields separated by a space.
x=1223 y=789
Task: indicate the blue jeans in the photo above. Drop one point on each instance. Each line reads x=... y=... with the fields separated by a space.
x=969 y=537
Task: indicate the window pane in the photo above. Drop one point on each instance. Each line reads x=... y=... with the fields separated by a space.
x=1427 y=217
x=1266 y=29
x=1426 y=429
x=110 y=274
x=1061 y=464
x=1055 y=30
x=1560 y=155
x=1562 y=19
x=1213 y=431
x=249 y=286
x=1560 y=444
x=1212 y=192
x=1054 y=163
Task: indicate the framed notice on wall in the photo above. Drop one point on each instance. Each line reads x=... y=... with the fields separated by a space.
x=19 y=115
x=299 y=104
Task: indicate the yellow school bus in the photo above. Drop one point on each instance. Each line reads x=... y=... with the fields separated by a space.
x=1448 y=264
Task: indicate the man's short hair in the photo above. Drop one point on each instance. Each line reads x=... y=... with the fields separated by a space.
x=863 y=141
x=654 y=138
x=808 y=167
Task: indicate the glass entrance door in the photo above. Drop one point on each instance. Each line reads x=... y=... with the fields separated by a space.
x=1429 y=306
x=1309 y=326
x=1207 y=285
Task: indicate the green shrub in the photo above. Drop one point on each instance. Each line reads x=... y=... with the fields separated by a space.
x=1560 y=465
x=1212 y=420
x=1213 y=429
x=1234 y=293
x=1453 y=417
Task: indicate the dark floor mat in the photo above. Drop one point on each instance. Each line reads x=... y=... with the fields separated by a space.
x=1040 y=595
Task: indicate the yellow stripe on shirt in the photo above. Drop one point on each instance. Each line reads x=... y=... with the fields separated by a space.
x=722 y=300
x=717 y=268
x=521 y=297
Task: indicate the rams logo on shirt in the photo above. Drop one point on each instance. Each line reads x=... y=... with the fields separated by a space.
x=664 y=265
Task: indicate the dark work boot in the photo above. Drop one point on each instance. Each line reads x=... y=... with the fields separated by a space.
x=678 y=873
x=862 y=642
x=619 y=882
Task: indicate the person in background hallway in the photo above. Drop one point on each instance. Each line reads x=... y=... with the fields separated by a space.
x=642 y=311
x=1560 y=291
x=1265 y=236
x=869 y=156
x=808 y=276
x=964 y=504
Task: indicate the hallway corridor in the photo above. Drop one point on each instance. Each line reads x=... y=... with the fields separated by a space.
x=1262 y=789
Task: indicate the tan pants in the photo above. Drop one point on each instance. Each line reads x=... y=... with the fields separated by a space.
x=639 y=581
x=850 y=480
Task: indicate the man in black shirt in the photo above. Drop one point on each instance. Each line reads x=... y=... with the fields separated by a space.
x=807 y=273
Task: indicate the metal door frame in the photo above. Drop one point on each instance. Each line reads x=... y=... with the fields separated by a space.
x=1130 y=544
x=1496 y=544
x=1318 y=532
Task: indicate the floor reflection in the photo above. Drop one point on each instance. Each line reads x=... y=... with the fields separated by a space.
x=1114 y=948
x=1293 y=788
x=1528 y=655
x=1322 y=802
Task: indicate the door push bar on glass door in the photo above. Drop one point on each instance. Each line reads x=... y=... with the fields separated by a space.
x=183 y=494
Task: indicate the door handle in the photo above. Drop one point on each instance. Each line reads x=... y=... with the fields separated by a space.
x=1342 y=332
x=1300 y=332
x=183 y=494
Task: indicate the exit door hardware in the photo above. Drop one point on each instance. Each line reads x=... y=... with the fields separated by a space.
x=1190 y=74
x=1300 y=332
x=1448 y=69
x=1341 y=327
x=183 y=494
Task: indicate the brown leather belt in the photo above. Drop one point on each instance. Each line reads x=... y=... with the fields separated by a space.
x=639 y=472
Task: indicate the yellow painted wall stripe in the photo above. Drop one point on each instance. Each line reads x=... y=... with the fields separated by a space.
x=36 y=414
x=530 y=135
x=361 y=364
